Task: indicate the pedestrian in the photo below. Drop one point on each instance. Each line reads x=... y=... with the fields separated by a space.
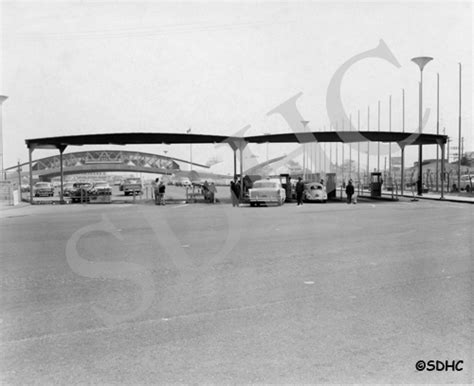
x=349 y=191
x=212 y=193
x=299 y=191
x=234 y=194
x=161 y=193
x=155 y=190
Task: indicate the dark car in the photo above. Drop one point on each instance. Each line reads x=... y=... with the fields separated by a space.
x=68 y=188
x=81 y=192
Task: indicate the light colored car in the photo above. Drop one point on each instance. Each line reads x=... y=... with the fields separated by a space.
x=267 y=191
x=101 y=188
x=466 y=182
x=314 y=192
x=43 y=189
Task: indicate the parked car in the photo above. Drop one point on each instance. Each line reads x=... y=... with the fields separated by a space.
x=43 y=189
x=81 y=192
x=131 y=186
x=67 y=188
x=101 y=188
x=466 y=182
x=314 y=192
x=267 y=191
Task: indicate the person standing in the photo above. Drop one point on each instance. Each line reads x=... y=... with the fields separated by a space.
x=161 y=193
x=212 y=193
x=155 y=190
x=349 y=191
x=234 y=194
x=299 y=191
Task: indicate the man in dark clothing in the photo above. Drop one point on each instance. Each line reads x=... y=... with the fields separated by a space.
x=234 y=193
x=161 y=193
x=349 y=191
x=299 y=191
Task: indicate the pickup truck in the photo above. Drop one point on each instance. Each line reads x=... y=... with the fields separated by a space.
x=131 y=186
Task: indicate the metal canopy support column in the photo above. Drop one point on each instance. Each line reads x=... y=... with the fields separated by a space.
x=239 y=145
x=235 y=162
x=442 y=145
x=420 y=170
x=61 y=151
x=402 y=168
x=242 y=145
x=234 y=146
x=30 y=158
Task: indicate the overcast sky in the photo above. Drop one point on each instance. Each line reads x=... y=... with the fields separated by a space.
x=89 y=67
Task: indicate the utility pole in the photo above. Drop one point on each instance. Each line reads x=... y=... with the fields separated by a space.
x=459 y=134
x=3 y=98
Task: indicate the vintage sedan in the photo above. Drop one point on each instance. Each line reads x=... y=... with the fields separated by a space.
x=68 y=188
x=43 y=189
x=314 y=192
x=101 y=188
x=268 y=191
x=81 y=192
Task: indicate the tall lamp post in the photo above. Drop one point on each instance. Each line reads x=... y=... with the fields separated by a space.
x=421 y=61
x=304 y=123
x=3 y=98
x=459 y=128
x=190 y=152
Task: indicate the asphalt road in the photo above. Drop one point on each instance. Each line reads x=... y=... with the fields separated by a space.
x=323 y=293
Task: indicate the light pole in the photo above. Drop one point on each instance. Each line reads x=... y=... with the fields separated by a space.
x=3 y=98
x=305 y=123
x=190 y=152
x=378 y=143
x=421 y=62
x=459 y=128
x=437 y=131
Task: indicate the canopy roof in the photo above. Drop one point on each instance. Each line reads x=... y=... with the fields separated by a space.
x=181 y=138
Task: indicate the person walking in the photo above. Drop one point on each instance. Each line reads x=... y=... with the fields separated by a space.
x=349 y=191
x=299 y=191
x=155 y=190
x=161 y=193
x=212 y=193
x=234 y=194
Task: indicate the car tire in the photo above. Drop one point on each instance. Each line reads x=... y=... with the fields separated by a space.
x=468 y=188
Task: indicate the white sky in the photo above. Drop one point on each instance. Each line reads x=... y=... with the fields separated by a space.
x=88 y=67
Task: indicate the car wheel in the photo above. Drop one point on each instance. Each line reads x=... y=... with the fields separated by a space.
x=252 y=204
x=468 y=188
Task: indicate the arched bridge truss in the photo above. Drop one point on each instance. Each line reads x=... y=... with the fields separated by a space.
x=105 y=161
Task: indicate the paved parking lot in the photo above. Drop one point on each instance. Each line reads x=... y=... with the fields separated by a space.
x=330 y=293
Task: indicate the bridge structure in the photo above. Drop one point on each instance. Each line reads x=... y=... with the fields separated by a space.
x=95 y=161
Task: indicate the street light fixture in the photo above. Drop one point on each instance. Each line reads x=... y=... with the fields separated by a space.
x=421 y=62
x=305 y=123
x=190 y=152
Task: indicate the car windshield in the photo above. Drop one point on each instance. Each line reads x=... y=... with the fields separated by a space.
x=101 y=185
x=42 y=185
x=132 y=181
x=265 y=185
